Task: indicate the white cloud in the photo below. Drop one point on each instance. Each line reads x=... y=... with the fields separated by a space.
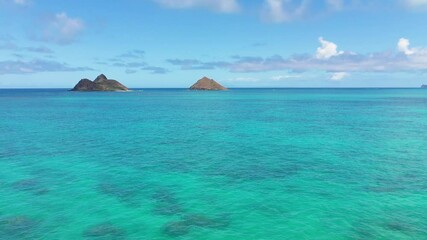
x=342 y=62
x=284 y=77
x=226 y=6
x=327 y=50
x=243 y=79
x=337 y=76
x=415 y=3
x=62 y=29
x=403 y=46
x=21 y=2
x=378 y=62
x=284 y=10
x=335 y=4
x=37 y=65
x=289 y=10
x=7 y=42
x=67 y=27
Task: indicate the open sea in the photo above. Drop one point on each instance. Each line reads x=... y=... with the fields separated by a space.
x=261 y=164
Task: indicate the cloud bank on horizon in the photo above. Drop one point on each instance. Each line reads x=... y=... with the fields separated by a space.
x=63 y=38
x=326 y=58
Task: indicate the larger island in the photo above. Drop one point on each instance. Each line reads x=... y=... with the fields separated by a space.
x=101 y=83
x=423 y=86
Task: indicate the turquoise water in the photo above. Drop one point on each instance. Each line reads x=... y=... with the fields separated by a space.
x=241 y=164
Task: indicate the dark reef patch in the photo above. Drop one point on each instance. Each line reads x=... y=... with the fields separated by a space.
x=53 y=175
x=176 y=229
x=405 y=182
x=406 y=225
x=104 y=231
x=382 y=227
x=166 y=203
x=17 y=227
x=184 y=226
x=398 y=226
x=206 y=222
x=123 y=193
x=123 y=186
x=32 y=185
x=255 y=172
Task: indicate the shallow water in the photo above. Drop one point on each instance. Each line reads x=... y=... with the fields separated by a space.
x=241 y=164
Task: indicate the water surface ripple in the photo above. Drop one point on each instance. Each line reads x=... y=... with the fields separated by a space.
x=241 y=164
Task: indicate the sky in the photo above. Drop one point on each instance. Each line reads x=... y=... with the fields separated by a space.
x=239 y=43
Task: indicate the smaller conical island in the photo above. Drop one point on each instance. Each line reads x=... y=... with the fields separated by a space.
x=423 y=86
x=207 y=84
x=101 y=83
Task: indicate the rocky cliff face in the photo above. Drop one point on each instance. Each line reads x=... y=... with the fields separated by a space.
x=101 y=83
x=207 y=84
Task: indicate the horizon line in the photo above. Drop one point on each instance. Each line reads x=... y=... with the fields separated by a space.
x=60 y=88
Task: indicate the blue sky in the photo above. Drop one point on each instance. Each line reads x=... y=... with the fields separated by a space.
x=240 y=43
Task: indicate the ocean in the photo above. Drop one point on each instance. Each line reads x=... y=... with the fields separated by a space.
x=241 y=164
